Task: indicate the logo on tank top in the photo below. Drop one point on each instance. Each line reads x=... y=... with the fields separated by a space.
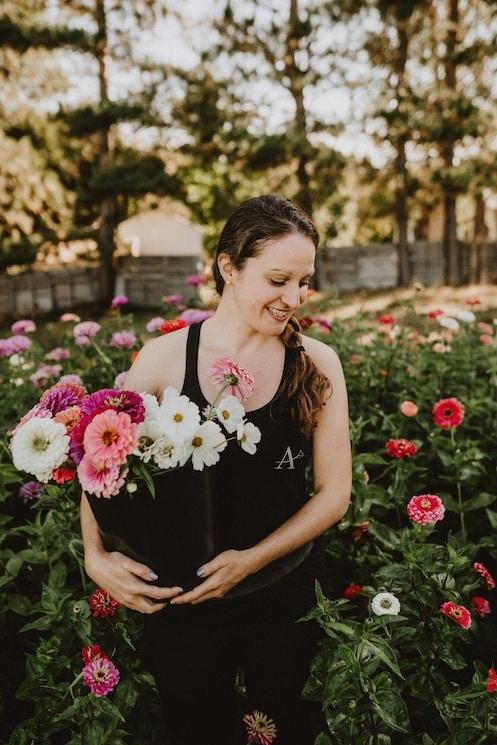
x=288 y=460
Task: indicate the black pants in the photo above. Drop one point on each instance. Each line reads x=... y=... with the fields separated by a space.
x=194 y=652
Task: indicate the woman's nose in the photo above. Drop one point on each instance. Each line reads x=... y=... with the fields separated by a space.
x=291 y=296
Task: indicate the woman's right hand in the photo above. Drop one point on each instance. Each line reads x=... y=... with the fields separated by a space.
x=127 y=581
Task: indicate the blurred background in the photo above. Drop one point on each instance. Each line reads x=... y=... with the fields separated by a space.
x=130 y=130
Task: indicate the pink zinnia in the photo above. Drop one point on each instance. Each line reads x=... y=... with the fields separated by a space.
x=492 y=681
x=481 y=606
x=109 y=438
x=83 y=341
x=174 y=299
x=154 y=324
x=44 y=373
x=123 y=339
x=401 y=448
x=86 y=329
x=483 y=571
x=71 y=378
x=101 y=676
x=408 y=408
x=19 y=343
x=194 y=280
x=102 y=604
x=58 y=354
x=25 y=326
x=487 y=340
x=195 y=315
x=91 y=651
x=260 y=728
x=448 y=413
x=109 y=398
x=102 y=482
x=234 y=379
x=69 y=417
x=119 y=301
x=70 y=318
x=458 y=613
x=425 y=509
x=61 y=397
x=119 y=380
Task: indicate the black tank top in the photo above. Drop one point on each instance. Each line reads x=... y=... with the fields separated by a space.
x=257 y=493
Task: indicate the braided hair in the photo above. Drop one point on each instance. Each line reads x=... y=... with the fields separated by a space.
x=251 y=225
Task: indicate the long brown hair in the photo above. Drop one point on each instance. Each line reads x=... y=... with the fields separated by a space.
x=251 y=225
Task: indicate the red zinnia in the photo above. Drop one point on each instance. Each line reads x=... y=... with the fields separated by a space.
x=91 y=651
x=305 y=322
x=168 y=326
x=435 y=313
x=102 y=604
x=492 y=681
x=481 y=606
x=387 y=320
x=490 y=582
x=351 y=591
x=425 y=509
x=458 y=613
x=473 y=301
x=448 y=413
x=61 y=475
x=401 y=448
x=360 y=529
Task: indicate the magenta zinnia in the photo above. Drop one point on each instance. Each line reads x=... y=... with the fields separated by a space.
x=260 y=728
x=234 y=380
x=425 y=509
x=448 y=413
x=109 y=398
x=101 y=676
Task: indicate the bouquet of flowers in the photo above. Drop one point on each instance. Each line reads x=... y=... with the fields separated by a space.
x=107 y=438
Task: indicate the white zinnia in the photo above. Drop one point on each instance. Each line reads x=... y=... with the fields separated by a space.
x=179 y=417
x=205 y=445
x=39 y=446
x=230 y=413
x=449 y=323
x=248 y=436
x=384 y=603
x=465 y=315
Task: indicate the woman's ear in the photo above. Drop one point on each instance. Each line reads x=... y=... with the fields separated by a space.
x=226 y=268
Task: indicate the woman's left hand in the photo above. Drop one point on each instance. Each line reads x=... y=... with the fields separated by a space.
x=222 y=573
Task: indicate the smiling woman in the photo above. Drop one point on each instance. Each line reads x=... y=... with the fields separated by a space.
x=267 y=558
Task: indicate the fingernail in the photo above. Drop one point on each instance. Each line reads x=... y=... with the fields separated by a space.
x=153 y=575
x=179 y=589
x=200 y=572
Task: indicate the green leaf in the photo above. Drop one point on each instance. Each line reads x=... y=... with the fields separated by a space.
x=476 y=503
x=387 y=536
x=13 y=566
x=322 y=739
x=388 y=659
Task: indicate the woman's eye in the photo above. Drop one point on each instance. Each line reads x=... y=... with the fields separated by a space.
x=275 y=282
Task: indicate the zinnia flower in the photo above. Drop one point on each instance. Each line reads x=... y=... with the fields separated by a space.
x=69 y=417
x=119 y=301
x=119 y=380
x=129 y=402
x=351 y=591
x=248 y=435
x=40 y=446
x=467 y=316
x=458 y=613
x=387 y=320
x=69 y=318
x=167 y=327
x=205 y=445
x=408 y=408
x=260 y=728
x=481 y=606
x=123 y=339
x=43 y=373
x=230 y=413
x=472 y=301
x=31 y=490
x=109 y=438
x=195 y=315
x=58 y=354
x=448 y=413
x=194 y=280
x=18 y=343
x=100 y=481
x=179 y=417
x=100 y=676
x=449 y=323
x=483 y=571
x=25 y=326
x=86 y=329
x=435 y=313
x=61 y=396
x=492 y=681
x=91 y=652
x=62 y=475
x=401 y=448
x=174 y=299
x=385 y=603
x=154 y=324
x=102 y=604
x=425 y=509
x=362 y=528
x=233 y=378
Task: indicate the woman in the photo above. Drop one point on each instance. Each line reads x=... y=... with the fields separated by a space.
x=242 y=615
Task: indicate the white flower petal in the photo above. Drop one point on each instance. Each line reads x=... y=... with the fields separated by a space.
x=248 y=436
x=39 y=446
x=385 y=603
x=230 y=413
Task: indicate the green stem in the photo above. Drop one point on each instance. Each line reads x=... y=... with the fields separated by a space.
x=458 y=486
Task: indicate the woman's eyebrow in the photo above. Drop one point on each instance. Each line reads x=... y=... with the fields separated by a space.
x=289 y=274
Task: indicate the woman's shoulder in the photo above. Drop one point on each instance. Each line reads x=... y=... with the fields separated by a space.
x=160 y=362
x=323 y=355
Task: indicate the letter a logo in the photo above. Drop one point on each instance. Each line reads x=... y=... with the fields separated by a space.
x=288 y=460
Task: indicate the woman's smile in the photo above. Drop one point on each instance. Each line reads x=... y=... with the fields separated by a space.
x=277 y=313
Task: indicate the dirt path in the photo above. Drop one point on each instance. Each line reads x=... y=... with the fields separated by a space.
x=448 y=299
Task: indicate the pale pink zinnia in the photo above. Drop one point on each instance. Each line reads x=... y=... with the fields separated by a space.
x=408 y=408
x=86 y=329
x=58 y=354
x=118 y=301
x=154 y=324
x=123 y=339
x=109 y=438
x=119 y=380
x=70 y=318
x=234 y=380
x=102 y=482
x=425 y=509
x=19 y=343
x=69 y=417
x=24 y=326
x=101 y=676
x=261 y=730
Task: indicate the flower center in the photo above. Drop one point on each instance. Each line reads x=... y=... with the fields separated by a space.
x=101 y=676
x=225 y=414
x=197 y=442
x=231 y=379
x=40 y=443
x=109 y=436
x=447 y=412
x=425 y=504
x=178 y=417
x=385 y=603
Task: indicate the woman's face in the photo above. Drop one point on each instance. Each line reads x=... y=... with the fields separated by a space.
x=272 y=285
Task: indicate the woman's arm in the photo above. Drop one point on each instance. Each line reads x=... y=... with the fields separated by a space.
x=332 y=481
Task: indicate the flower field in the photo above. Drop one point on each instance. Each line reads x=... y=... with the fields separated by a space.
x=409 y=606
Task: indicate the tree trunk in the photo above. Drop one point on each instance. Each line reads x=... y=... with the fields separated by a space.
x=404 y=266
x=450 y=246
x=107 y=222
x=479 y=237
